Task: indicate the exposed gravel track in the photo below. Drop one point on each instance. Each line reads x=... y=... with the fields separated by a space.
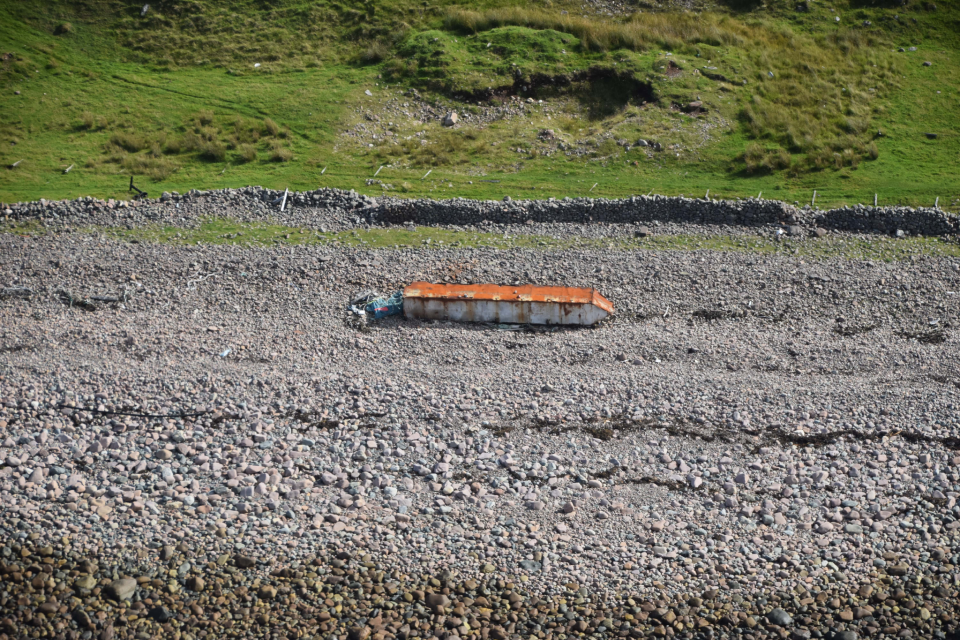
x=754 y=447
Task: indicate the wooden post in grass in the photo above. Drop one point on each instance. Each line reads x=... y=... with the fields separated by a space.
x=593 y=187
x=874 y=199
x=14 y=165
x=707 y=197
x=284 y=203
x=936 y=205
x=324 y=171
x=759 y=195
x=813 y=202
x=67 y=170
x=378 y=171
x=426 y=174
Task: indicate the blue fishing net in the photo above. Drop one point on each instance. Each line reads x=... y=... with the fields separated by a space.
x=382 y=307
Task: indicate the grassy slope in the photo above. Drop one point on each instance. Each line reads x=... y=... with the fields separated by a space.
x=151 y=85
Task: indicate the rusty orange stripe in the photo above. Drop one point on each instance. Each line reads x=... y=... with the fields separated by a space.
x=520 y=293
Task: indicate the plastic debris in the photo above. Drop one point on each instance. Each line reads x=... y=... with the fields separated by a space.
x=383 y=307
x=362 y=298
x=226 y=352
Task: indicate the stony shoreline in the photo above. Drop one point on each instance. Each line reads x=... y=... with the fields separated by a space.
x=756 y=432
x=185 y=592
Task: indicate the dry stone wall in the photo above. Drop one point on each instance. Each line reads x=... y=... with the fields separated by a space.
x=336 y=209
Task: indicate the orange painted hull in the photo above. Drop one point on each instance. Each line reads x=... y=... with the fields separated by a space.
x=525 y=304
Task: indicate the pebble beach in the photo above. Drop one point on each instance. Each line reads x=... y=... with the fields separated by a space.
x=754 y=446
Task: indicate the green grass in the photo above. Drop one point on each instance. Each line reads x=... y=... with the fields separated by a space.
x=811 y=95
x=219 y=231
x=642 y=31
x=174 y=99
x=452 y=63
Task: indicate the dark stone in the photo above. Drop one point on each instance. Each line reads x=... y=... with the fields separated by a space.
x=358 y=633
x=82 y=619
x=244 y=562
x=437 y=600
x=160 y=614
x=779 y=617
